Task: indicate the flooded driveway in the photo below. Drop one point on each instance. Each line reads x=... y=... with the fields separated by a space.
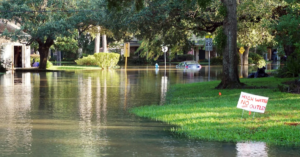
x=85 y=113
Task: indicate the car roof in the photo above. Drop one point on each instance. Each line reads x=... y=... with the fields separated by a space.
x=190 y=62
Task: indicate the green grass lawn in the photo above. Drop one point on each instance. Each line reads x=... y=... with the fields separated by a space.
x=200 y=113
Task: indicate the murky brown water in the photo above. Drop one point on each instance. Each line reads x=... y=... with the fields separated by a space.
x=85 y=113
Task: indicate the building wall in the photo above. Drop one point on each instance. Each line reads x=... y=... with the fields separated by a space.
x=8 y=53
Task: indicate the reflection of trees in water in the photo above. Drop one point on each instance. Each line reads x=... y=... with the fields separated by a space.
x=15 y=114
x=85 y=114
x=93 y=99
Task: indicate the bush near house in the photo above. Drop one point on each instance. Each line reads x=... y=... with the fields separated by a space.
x=88 y=60
x=103 y=60
x=107 y=60
x=216 y=60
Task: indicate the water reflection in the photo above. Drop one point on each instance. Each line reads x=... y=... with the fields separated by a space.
x=15 y=128
x=164 y=88
x=252 y=149
x=245 y=70
x=85 y=113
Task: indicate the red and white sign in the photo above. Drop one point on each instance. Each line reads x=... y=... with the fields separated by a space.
x=251 y=102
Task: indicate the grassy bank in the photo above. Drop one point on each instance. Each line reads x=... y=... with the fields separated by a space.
x=200 y=113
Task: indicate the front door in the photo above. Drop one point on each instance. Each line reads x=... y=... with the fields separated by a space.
x=18 y=56
x=201 y=54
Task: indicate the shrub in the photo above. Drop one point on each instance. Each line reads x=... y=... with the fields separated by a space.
x=250 y=61
x=106 y=60
x=49 y=64
x=89 y=60
x=216 y=60
x=261 y=63
x=291 y=67
x=255 y=57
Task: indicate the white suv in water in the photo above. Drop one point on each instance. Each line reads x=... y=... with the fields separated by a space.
x=189 y=65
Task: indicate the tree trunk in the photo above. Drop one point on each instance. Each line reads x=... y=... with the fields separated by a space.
x=230 y=77
x=79 y=51
x=97 y=41
x=104 y=43
x=246 y=55
x=245 y=71
x=241 y=59
x=44 y=52
x=269 y=53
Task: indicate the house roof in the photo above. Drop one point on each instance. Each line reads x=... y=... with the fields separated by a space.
x=10 y=28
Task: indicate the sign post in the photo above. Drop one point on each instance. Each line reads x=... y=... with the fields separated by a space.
x=126 y=52
x=242 y=50
x=208 y=47
x=164 y=78
x=165 y=49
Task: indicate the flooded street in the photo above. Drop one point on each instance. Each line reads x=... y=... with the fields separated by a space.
x=85 y=113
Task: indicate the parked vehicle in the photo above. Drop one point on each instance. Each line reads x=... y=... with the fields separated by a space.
x=189 y=65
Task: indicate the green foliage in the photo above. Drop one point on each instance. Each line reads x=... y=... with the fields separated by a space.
x=252 y=16
x=220 y=39
x=49 y=64
x=168 y=23
x=107 y=60
x=261 y=63
x=223 y=10
x=216 y=60
x=286 y=26
x=260 y=49
x=255 y=57
x=66 y=44
x=89 y=60
x=45 y=21
x=291 y=67
x=250 y=61
x=202 y=114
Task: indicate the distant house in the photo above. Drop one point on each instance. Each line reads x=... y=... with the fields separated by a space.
x=13 y=51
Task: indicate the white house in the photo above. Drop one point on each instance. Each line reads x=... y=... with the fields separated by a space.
x=13 y=51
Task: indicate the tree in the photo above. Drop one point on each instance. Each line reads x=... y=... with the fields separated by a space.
x=286 y=25
x=166 y=22
x=184 y=16
x=45 y=20
x=252 y=30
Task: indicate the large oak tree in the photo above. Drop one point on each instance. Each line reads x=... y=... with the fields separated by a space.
x=45 y=20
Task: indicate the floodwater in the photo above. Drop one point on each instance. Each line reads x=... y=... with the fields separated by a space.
x=85 y=113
